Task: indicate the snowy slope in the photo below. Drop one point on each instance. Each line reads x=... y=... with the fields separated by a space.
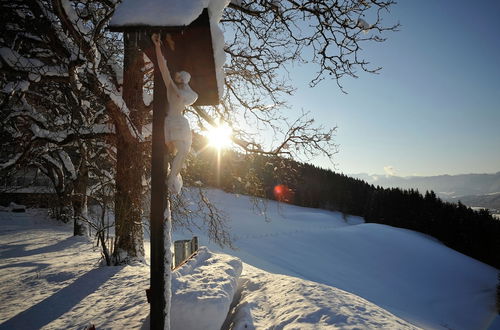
x=407 y=273
x=51 y=281
x=273 y=301
x=346 y=274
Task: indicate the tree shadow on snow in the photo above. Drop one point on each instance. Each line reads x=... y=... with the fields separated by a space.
x=62 y=301
x=19 y=250
x=28 y=265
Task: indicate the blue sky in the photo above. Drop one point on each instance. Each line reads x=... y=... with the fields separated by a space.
x=434 y=108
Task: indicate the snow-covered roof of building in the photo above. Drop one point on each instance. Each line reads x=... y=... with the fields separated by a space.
x=162 y=12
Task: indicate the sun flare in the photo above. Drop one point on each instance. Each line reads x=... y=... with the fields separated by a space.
x=220 y=136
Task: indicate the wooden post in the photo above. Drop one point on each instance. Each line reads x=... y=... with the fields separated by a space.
x=193 y=53
x=159 y=271
x=183 y=249
x=194 y=244
x=179 y=252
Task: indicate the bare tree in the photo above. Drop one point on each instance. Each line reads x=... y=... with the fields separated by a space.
x=264 y=39
x=57 y=54
x=64 y=43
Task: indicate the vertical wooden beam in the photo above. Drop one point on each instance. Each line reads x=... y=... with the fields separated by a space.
x=160 y=271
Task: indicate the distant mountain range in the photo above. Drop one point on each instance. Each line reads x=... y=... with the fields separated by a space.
x=490 y=201
x=475 y=190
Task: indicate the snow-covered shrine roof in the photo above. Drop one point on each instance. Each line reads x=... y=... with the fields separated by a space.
x=131 y=14
x=164 y=13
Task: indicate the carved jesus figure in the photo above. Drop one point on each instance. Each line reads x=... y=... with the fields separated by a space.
x=178 y=136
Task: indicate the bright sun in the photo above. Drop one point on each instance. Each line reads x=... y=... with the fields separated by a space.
x=219 y=137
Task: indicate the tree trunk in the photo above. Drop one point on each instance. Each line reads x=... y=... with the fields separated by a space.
x=130 y=162
x=61 y=206
x=80 y=226
x=128 y=205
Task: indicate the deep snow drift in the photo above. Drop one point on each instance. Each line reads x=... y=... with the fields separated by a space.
x=272 y=301
x=347 y=274
x=203 y=290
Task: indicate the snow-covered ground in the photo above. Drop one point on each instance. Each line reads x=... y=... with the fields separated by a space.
x=51 y=279
x=273 y=301
x=407 y=273
x=304 y=268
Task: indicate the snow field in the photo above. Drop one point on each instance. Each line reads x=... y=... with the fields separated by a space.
x=272 y=301
x=51 y=279
x=53 y=282
x=411 y=275
x=346 y=274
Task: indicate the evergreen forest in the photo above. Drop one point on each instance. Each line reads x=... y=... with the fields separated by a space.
x=471 y=232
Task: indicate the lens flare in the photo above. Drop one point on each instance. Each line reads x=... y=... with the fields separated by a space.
x=283 y=194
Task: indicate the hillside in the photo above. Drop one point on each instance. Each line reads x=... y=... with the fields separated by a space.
x=313 y=267
x=407 y=273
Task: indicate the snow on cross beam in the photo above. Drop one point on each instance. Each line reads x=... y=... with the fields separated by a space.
x=196 y=43
x=158 y=12
x=186 y=48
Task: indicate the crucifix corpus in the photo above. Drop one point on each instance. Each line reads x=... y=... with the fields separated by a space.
x=183 y=41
